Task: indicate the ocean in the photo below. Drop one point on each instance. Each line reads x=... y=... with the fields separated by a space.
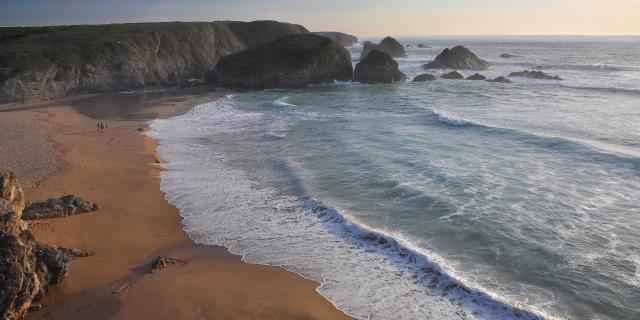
x=441 y=200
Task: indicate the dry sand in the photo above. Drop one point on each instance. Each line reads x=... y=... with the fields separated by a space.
x=117 y=168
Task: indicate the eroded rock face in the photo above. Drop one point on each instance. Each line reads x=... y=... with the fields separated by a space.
x=289 y=62
x=458 y=58
x=388 y=45
x=378 y=67
x=534 y=75
x=453 y=75
x=27 y=268
x=58 y=208
x=424 y=78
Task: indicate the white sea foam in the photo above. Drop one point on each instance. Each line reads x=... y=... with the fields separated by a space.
x=450 y=120
x=370 y=274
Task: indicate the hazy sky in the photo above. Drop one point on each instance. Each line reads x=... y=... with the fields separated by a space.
x=359 y=17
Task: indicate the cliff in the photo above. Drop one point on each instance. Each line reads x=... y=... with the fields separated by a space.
x=291 y=61
x=48 y=62
x=344 y=39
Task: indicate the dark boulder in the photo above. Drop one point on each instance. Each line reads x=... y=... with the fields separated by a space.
x=58 y=208
x=476 y=76
x=388 y=45
x=457 y=58
x=424 y=78
x=508 y=56
x=453 y=75
x=289 y=62
x=535 y=75
x=378 y=67
x=423 y=46
x=500 y=80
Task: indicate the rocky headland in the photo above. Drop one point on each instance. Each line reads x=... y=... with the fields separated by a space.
x=344 y=39
x=49 y=62
x=458 y=58
x=291 y=61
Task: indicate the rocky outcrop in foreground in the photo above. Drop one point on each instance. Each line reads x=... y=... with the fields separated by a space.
x=378 y=67
x=535 y=75
x=458 y=58
x=58 y=208
x=48 y=62
x=289 y=62
x=388 y=45
x=27 y=267
x=344 y=39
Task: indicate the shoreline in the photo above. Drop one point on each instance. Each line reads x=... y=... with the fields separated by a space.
x=118 y=169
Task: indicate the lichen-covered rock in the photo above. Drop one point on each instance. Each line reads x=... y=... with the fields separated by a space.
x=457 y=58
x=49 y=62
x=534 y=75
x=476 y=76
x=378 y=67
x=289 y=62
x=11 y=195
x=424 y=77
x=27 y=268
x=453 y=75
x=344 y=39
x=388 y=45
x=58 y=208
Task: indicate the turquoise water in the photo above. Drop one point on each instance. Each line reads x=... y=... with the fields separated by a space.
x=450 y=199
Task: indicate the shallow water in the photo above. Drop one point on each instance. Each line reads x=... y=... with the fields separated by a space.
x=449 y=199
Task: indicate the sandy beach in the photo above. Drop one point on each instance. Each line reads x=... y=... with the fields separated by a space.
x=118 y=169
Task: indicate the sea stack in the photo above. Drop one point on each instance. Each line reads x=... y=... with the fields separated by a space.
x=458 y=58
x=378 y=67
x=388 y=45
x=289 y=62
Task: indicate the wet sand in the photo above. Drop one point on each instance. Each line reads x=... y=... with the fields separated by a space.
x=118 y=168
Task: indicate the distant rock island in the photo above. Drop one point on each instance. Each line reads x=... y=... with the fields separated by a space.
x=378 y=67
x=388 y=45
x=458 y=58
x=49 y=62
x=291 y=61
x=344 y=39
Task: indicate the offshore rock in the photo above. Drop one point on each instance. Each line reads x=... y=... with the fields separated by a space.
x=476 y=76
x=388 y=45
x=378 y=67
x=534 y=74
x=453 y=75
x=424 y=77
x=457 y=58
